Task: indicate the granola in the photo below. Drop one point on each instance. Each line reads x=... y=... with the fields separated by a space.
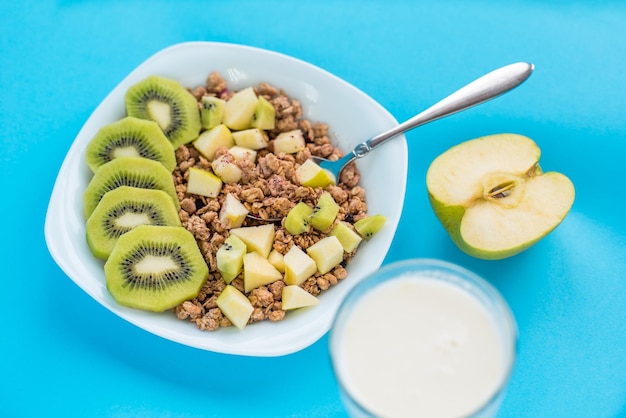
x=268 y=189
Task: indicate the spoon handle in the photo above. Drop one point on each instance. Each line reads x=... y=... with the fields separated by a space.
x=485 y=88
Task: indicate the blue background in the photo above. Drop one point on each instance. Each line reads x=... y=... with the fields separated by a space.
x=62 y=354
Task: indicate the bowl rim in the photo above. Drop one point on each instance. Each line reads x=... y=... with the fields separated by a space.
x=61 y=229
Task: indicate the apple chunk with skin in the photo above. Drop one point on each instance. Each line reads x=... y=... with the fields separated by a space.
x=493 y=198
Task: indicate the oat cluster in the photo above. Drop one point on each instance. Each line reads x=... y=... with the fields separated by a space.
x=268 y=189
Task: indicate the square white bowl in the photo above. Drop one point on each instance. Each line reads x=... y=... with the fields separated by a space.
x=352 y=117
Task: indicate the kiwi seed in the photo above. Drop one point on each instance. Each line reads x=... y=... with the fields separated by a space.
x=297 y=220
x=368 y=227
x=324 y=212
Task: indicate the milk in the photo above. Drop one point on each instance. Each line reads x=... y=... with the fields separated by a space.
x=420 y=346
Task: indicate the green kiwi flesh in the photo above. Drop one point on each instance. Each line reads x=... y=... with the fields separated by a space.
x=212 y=111
x=169 y=104
x=324 y=212
x=130 y=137
x=155 y=268
x=297 y=220
x=368 y=227
x=123 y=209
x=128 y=171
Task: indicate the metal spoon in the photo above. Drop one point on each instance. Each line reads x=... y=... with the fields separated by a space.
x=485 y=88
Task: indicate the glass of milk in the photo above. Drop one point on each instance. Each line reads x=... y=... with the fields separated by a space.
x=423 y=338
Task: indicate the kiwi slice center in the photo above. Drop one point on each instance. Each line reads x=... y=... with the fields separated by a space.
x=160 y=111
x=128 y=151
x=128 y=215
x=130 y=220
x=156 y=267
x=152 y=264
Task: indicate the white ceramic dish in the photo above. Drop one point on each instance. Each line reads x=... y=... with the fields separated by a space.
x=352 y=117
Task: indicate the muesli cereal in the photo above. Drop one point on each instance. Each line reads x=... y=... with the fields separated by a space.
x=268 y=189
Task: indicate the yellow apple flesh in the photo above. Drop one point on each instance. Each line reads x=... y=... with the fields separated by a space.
x=493 y=198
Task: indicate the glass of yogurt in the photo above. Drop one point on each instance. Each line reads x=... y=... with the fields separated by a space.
x=423 y=338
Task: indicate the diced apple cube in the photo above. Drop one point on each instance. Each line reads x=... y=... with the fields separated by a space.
x=277 y=260
x=298 y=266
x=210 y=141
x=226 y=168
x=239 y=109
x=204 y=183
x=327 y=253
x=233 y=212
x=289 y=142
x=257 y=271
x=294 y=297
x=241 y=153
x=253 y=138
x=348 y=238
x=257 y=238
x=235 y=306
x=312 y=175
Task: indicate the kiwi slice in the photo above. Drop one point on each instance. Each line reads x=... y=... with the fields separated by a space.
x=368 y=227
x=212 y=111
x=324 y=212
x=297 y=220
x=155 y=268
x=123 y=209
x=264 y=116
x=167 y=103
x=128 y=171
x=131 y=137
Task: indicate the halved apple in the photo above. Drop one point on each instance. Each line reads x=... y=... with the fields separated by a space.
x=493 y=198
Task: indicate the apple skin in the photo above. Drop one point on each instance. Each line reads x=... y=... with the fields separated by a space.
x=451 y=216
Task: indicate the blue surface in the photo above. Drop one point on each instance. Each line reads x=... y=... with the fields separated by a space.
x=64 y=355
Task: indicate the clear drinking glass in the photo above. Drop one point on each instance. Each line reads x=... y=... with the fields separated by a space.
x=417 y=326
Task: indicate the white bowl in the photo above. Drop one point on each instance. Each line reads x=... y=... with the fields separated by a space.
x=352 y=117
